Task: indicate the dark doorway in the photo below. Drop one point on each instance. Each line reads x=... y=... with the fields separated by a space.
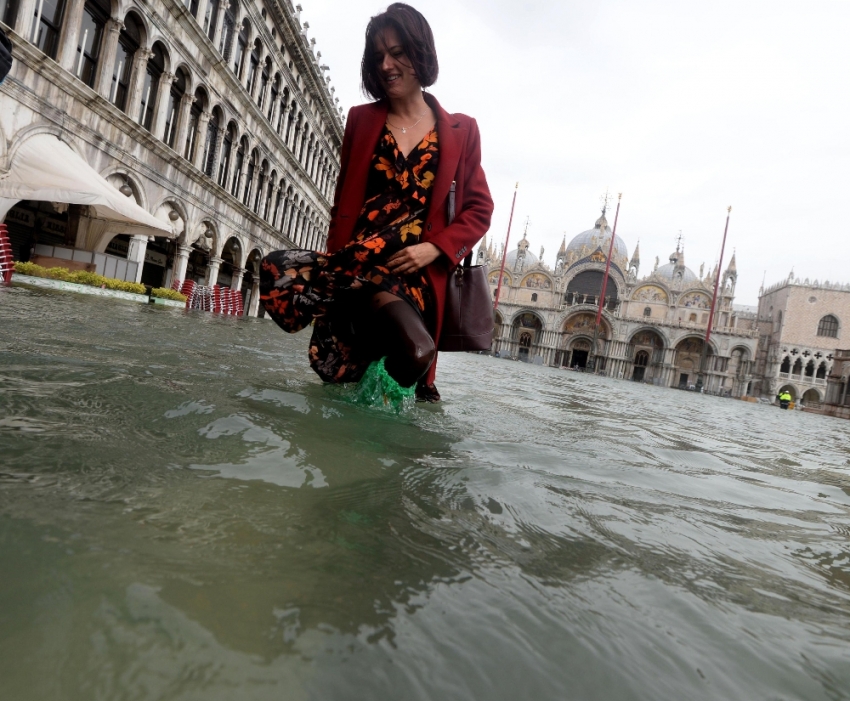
x=683 y=380
x=639 y=373
x=579 y=358
x=524 y=346
x=30 y=223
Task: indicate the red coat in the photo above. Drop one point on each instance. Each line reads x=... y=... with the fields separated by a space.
x=460 y=161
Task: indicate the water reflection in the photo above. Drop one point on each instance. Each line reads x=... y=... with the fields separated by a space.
x=185 y=511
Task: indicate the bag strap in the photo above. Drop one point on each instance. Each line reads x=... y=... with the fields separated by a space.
x=467 y=262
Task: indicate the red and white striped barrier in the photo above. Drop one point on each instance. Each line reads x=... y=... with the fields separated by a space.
x=217 y=299
x=7 y=265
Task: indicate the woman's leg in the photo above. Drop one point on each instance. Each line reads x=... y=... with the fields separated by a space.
x=399 y=333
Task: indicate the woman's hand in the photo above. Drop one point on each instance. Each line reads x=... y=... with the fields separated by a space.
x=412 y=258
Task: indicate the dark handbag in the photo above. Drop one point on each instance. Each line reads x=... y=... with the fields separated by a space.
x=468 y=311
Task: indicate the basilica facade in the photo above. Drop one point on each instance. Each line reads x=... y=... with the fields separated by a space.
x=217 y=117
x=652 y=327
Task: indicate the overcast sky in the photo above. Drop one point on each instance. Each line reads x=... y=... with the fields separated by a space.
x=685 y=107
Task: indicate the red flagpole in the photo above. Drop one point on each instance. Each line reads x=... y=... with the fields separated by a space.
x=717 y=280
x=608 y=263
x=505 y=252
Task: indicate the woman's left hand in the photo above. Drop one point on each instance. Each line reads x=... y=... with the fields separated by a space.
x=412 y=258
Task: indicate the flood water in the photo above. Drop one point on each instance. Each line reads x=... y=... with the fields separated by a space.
x=187 y=513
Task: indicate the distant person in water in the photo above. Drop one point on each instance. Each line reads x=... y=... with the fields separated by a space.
x=379 y=290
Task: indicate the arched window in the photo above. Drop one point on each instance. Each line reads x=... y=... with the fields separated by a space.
x=175 y=96
x=210 y=18
x=153 y=72
x=9 y=12
x=249 y=178
x=226 y=147
x=264 y=83
x=261 y=181
x=241 y=48
x=95 y=16
x=195 y=112
x=208 y=160
x=281 y=113
x=821 y=373
x=304 y=136
x=267 y=209
x=273 y=97
x=225 y=45
x=128 y=43
x=828 y=326
x=237 y=166
x=810 y=368
x=786 y=365
x=798 y=367
x=533 y=296
x=647 y=311
x=642 y=359
x=280 y=189
x=48 y=24
x=253 y=66
x=290 y=122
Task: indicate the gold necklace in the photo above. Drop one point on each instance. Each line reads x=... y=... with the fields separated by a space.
x=404 y=129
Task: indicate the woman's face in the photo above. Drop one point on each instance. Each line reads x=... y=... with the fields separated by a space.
x=394 y=69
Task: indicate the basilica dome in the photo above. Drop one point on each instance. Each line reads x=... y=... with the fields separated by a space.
x=597 y=237
x=530 y=260
x=668 y=272
x=676 y=270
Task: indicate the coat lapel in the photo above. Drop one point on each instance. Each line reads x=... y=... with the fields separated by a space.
x=369 y=126
x=451 y=136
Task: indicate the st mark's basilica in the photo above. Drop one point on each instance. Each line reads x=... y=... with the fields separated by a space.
x=653 y=325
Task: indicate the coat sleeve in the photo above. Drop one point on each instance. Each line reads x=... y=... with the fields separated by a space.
x=333 y=244
x=476 y=209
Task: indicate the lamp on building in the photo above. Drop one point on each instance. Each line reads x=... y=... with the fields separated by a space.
x=173 y=215
x=208 y=233
x=125 y=189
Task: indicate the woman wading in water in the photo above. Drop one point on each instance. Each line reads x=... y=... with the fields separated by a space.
x=377 y=296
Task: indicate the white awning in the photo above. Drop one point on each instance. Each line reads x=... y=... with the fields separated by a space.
x=44 y=168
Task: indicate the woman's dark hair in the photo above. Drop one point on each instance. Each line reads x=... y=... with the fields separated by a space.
x=416 y=38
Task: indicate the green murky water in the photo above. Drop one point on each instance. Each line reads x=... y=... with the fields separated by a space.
x=187 y=513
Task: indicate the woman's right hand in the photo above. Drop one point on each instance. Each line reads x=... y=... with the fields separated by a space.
x=412 y=258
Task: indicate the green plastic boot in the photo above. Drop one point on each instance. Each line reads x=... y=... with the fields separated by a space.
x=377 y=389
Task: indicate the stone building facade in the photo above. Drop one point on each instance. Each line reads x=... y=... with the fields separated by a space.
x=837 y=402
x=216 y=116
x=652 y=328
x=802 y=324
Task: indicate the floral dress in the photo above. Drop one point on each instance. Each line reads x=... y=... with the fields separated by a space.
x=298 y=287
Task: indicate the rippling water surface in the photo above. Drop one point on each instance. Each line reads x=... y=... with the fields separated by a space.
x=187 y=513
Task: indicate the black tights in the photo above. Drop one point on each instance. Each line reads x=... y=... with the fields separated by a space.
x=396 y=330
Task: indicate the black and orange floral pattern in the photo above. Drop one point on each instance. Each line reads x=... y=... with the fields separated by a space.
x=298 y=287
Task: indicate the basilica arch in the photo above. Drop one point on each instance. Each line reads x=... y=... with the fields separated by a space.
x=686 y=361
x=527 y=334
x=645 y=351
x=498 y=328
x=577 y=336
x=586 y=286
